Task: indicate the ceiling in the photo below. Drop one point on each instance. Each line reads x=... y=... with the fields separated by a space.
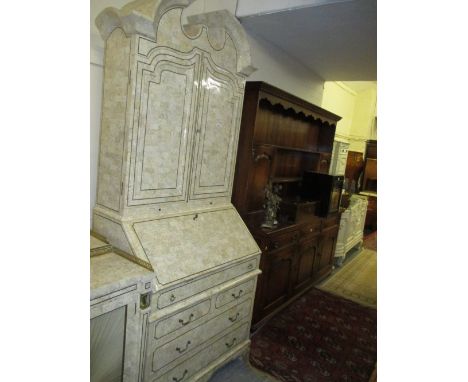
x=338 y=40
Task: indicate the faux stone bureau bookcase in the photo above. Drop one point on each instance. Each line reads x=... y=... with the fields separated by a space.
x=172 y=103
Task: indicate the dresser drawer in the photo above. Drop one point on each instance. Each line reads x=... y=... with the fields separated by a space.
x=311 y=229
x=234 y=293
x=188 y=368
x=284 y=239
x=182 y=319
x=189 y=341
x=190 y=289
x=330 y=222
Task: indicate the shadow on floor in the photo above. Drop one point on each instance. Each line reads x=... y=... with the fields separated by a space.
x=239 y=371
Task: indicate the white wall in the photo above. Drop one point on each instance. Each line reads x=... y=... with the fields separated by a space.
x=278 y=69
x=340 y=99
x=274 y=66
x=364 y=113
x=357 y=107
x=250 y=7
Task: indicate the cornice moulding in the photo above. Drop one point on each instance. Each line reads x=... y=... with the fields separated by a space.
x=143 y=17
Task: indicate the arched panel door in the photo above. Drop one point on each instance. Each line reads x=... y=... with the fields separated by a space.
x=217 y=133
x=165 y=102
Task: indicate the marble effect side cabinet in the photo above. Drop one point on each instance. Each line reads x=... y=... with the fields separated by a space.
x=172 y=101
x=351 y=231
x=120 y=291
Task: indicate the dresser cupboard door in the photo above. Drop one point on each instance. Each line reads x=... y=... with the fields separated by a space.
x=326 y=254
x=216 y=133
x=163 y=122
x=277 y=278
x=306 y=257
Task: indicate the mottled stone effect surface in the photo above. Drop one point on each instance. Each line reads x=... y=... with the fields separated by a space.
x=171 y=116
x=182 y=319
x=213 y=351
x=111 y=272
x=351 y=230
x=162 y=355
x=186 y=245
x=95 y=243
x=171 y=34
x=160 y=148
x=113 y=119
x=191 y=340
x=117 y=283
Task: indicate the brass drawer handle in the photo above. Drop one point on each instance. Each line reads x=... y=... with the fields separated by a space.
x=232 y=319
x=182 y=350
x=188 y=322
x=232 y=343
x=181 y=378
x=250 y=266
x=172 y=298
x=195 y=217
x=238 y=295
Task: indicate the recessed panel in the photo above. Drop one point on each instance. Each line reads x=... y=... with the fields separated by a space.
x=164 y=133
x=217 y=134
x=165 y=105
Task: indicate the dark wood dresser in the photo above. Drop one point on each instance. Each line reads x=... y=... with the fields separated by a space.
x=281 y=137
x=369 y=184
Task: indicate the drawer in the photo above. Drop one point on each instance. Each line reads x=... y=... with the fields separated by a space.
x=188 y=368
x=310 y=229
x=284 y=239
x=182 y=319
x=189 y=341
x=190 y=289
x=330 y=222
x=234 y=293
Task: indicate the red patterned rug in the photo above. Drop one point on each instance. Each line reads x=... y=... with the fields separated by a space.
x=318 y=338
x=370 y=241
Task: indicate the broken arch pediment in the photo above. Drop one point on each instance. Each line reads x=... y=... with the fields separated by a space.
x=144 y=17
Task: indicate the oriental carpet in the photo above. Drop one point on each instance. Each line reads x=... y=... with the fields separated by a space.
x=320 y=337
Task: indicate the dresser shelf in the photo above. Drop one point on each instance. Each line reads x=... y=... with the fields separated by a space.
x=281 y=137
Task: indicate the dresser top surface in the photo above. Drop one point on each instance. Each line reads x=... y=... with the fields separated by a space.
x=110 y=272
x=96 y=243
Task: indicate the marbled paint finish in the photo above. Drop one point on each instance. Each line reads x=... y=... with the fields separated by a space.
x=111 y=272
x=171 y=115
x=113 y=120
x=186 y=245
x=165 y=96
x=200 y=334
x=95 y=243
x=233 y=341
x=168 y=352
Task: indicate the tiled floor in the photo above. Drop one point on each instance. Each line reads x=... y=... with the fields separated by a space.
x=238 y=371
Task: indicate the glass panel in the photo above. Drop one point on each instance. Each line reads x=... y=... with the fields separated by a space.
x=107 y=346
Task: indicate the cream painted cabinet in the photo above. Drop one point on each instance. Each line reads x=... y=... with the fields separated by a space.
x=339 y=158
x=351 y=231
x=175 y=114
x=172 y=103
x=119 y=309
